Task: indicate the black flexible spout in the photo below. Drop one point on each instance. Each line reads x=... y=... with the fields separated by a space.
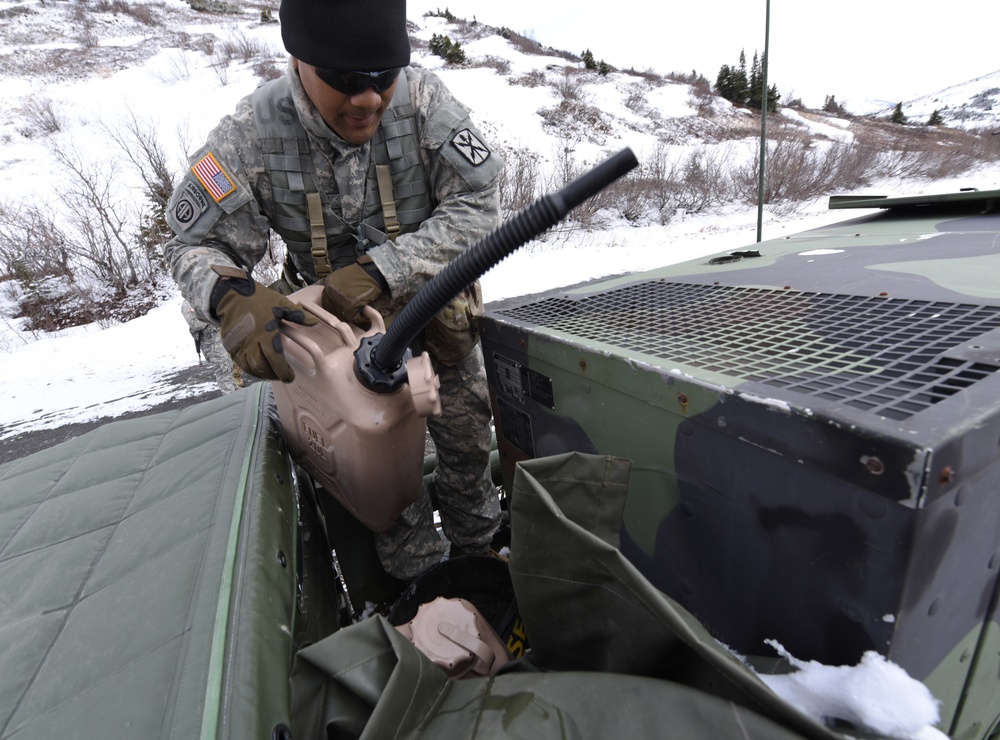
x=379 y=359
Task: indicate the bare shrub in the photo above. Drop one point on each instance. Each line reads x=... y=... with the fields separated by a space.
x=519 y=181
x=16 y=11
x=86 y=36
x=139 y=144
x=579 y=120
x=570 y=87
x=220 y=63
x=178 y=68
x=145 y=13
x=649 y=75
x=635 y=98
x=41 y=115
x=660 y=171
x=629 y=195
x=54 y=303
x=697 y=180
x=502 y=66
x=32 y=246
x=522 y=43
x=91 y=256
x=101 y=236
x=794 y=170
x=268 y=69
x=850 y=163
x=534 y=78
x=215 y=6
x=703 y=178
x=205 y=43
x=985 y=146
x=240 y=47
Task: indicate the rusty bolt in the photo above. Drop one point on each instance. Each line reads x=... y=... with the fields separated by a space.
x=947 y=474
x=874 y=465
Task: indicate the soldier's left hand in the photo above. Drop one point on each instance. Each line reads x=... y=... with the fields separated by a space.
x=348 y=290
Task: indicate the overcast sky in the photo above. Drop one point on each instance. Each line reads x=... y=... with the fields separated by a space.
x=853 y=49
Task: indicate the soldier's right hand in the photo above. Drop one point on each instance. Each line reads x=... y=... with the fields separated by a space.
x=250 y=314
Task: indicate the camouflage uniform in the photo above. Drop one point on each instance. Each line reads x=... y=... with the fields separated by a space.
x=208 y=343
x=461 y=180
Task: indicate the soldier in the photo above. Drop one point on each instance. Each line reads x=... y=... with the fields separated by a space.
x=375 y=177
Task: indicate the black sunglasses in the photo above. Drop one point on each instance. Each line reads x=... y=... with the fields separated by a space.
x=352 y=83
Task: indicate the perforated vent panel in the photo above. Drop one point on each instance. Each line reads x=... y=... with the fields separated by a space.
x=882 y=355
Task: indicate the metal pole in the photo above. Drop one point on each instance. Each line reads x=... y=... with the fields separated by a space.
x=763 y=122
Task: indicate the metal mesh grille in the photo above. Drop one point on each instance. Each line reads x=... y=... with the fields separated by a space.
x=882 y=355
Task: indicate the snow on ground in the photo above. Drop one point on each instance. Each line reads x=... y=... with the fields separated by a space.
x=87 y=372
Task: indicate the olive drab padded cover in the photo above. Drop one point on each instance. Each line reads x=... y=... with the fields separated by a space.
x=147 y=578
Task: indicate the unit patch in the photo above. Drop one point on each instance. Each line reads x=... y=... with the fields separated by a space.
x=210 y=174
x=471 y=147
x=189 y=206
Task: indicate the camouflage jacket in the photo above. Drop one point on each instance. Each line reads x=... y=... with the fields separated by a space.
x=219 y=210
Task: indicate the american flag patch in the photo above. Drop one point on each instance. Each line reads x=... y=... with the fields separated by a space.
x=210 y=174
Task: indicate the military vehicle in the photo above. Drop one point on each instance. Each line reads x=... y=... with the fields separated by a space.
x=796 y=441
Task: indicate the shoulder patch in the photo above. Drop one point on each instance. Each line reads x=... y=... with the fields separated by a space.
x=471 y=147
x=213 y=178
x=189 y=205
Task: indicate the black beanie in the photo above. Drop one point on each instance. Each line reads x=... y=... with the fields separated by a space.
x=348 y=35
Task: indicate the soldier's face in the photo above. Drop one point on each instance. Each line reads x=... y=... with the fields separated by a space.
x=353 y=117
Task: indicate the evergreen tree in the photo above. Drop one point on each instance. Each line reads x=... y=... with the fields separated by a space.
x=773 y=98
x=731 y=82
x=588 y=60
x=603 y=68
x=897 y=114
x=742 y=83
x=751 y=90
x=444 y=47
x=724 y=81
x=830 y=105
x=936 y=119
x=755 y=82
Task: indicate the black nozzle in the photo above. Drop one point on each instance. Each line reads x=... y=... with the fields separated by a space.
x=379 y=369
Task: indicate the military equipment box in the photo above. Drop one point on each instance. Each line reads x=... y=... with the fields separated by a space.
x=814 y=430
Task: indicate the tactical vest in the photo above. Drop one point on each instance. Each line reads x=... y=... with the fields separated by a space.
x=318 y=238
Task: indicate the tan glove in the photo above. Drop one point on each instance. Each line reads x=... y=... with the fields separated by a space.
x=348 y=290
x=250 y=314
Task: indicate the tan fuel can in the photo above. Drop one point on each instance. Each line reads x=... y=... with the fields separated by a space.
x=366 y=448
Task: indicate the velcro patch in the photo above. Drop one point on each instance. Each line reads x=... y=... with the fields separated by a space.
x=189 y=206
x=474 y=150
x=211 y=176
